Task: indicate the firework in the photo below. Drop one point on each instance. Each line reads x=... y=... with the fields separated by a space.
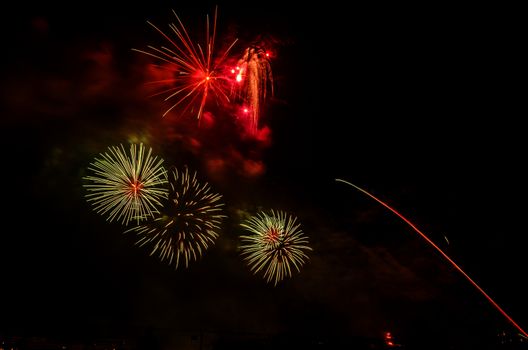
x=126 y=186
x=254 y=78
x=187 y=225
x=441 y=252
x=192 y=74
x=275 y=245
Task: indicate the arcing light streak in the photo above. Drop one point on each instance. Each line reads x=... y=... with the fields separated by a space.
x=442 y=253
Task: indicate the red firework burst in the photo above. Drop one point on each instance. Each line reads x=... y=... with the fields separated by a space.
x=189 y=74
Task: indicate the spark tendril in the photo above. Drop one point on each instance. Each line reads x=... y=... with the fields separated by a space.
x=275 y=245
x=442 y=253
x=254 y=78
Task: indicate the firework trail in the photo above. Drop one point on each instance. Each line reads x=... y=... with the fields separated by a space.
x=442 y=253
x=187 y=225
x=126 y=186
x=275 y=244
x=254 y=78
x=194 y=73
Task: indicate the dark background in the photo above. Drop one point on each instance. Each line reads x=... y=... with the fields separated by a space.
x=418 y=105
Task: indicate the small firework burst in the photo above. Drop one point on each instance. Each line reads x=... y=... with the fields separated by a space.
x=192 y=74
x=276 y=244
x=126 y=186
x=188 y=224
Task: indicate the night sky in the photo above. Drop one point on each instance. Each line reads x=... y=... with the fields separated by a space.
x=415 y=105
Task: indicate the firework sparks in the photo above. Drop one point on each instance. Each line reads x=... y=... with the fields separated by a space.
x=442 y=253
x=126 y=186
x=188 y=224
x=192 y=74
x=275 y=245
x=254 y=78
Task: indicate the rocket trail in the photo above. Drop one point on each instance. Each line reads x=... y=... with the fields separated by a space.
x=441 y=252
